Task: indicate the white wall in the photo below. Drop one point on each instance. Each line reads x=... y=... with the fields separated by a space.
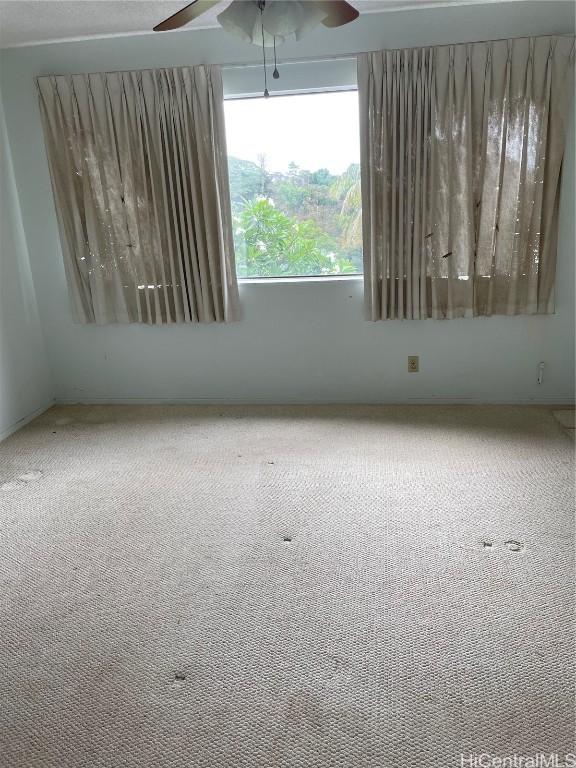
x=25 y=383
x=299 y=341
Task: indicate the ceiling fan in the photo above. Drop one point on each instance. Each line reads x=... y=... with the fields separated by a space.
x=267 y=22
x=279 y=19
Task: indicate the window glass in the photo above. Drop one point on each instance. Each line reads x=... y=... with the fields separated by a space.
x=295 y=184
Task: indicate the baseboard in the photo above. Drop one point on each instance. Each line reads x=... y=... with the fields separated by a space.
x=558 y=400
x=25 y=420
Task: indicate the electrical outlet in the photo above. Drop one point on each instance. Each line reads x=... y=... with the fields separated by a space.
x=413 y=363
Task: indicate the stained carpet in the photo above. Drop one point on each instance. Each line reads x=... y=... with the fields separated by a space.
x=357 y=587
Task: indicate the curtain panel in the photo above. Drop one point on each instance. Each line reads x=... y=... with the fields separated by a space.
x=461 y=158
x=140 y=181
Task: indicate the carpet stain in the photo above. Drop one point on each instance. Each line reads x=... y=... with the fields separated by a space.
x=20 y=481
x=31 y=477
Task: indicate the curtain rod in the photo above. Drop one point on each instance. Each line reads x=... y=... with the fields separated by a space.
x=352 y=56
x=227 y=65
x=312 y=59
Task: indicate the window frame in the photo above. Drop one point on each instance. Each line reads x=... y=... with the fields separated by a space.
x=298 y=78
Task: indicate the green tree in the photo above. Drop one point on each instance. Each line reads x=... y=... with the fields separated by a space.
x=291 y=197
x=314 y=215
x=270 y=243
x=347 y=190
x=322 y=178
x=245 y=181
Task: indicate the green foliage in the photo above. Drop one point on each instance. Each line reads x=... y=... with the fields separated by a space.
x=348 y=191
x=272 y=244
x=295 y=223
x=322 y=178
x=246 y=181
x=292 y=197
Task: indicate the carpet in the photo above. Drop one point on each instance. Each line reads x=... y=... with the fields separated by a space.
x=286 y=587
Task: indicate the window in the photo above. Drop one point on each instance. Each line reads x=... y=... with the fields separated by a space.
x=294 y=165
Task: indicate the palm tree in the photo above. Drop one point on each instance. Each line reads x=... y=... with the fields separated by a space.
x=348 y=191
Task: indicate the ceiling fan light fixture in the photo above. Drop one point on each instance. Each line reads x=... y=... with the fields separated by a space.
x=282 y=20
x=289 y=17
x=241 y=20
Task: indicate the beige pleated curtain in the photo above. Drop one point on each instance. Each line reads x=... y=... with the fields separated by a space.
x=140 y=180
x=461 y=155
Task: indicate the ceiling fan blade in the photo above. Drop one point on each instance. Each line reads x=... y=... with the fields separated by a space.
x=339 y=12
x=185 y=15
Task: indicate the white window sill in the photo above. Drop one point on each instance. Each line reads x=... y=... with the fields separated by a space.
x=301 y=279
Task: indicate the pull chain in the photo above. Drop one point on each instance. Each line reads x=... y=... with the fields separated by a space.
x=275 y=74
x=266 y=94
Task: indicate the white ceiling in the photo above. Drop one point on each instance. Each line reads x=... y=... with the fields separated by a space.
x=26 y=22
